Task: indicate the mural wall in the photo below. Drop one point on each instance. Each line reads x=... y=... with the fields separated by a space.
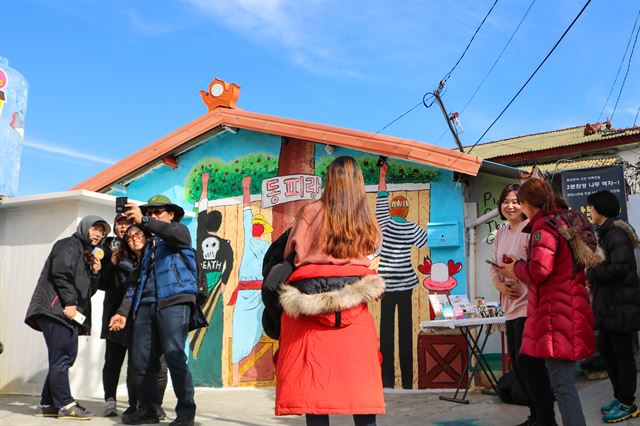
x=244 y=190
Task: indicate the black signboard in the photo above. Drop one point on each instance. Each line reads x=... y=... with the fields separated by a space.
x=577 y=185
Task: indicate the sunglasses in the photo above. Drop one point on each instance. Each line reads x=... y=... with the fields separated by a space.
x=155 y=211
x=135 y=235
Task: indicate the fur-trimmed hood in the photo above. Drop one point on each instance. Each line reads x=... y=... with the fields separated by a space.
x=628 y=229
x=583 y=254
x=296 y=303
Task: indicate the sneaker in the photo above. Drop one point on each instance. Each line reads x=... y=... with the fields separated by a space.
x=110 y=408
x=46 y=411
x=143 y=415
x=75 y=411
x=130 y=410
x=621 y=412
x=182 y=421
x=610 y=406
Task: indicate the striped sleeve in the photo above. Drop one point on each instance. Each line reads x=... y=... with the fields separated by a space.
x=382 y=210
x=419 y=236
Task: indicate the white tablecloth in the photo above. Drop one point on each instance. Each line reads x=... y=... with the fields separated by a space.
x=466 y=322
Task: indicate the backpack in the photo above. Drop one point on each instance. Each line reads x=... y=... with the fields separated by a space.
x=197 y=318
x=188 y=256
x=510 y=391
x=578 y=231
x=276 y=270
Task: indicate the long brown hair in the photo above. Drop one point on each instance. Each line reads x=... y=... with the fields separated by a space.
x=539 y=194
x=349 y=226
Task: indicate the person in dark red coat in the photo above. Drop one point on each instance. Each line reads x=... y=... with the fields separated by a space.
x=328 y=361
x=559 y=326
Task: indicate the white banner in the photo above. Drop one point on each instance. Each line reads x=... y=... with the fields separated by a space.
x=285 y=189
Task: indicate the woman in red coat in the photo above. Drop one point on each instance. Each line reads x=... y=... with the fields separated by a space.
x=559 y=326
x=328 y=361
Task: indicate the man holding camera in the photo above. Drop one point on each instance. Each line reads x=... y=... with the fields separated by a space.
x=161 y=307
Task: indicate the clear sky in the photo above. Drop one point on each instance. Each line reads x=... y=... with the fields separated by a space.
x=109 y=77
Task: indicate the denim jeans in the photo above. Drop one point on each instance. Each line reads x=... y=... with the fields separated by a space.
x=157 y=332
x=562 y=375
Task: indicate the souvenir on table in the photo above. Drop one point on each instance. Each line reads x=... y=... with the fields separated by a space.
x=462 y=308
x=481 y=308
x=438 y=302
x=447 y=312
x=494 y=309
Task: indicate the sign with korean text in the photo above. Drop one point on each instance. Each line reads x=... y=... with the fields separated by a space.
x=577 y=185
x=285 y=189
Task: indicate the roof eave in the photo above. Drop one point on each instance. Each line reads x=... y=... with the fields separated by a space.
x=380 y=144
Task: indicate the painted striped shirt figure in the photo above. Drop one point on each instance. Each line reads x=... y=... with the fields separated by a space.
x=398 y=236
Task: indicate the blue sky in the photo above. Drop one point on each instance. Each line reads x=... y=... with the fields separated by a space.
x=109 y=77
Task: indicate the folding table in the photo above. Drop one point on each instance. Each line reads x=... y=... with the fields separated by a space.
x=476 y=346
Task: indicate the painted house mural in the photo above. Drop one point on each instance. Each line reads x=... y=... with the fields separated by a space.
x=244 y=176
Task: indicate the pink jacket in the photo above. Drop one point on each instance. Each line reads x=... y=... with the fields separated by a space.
x=560 y=320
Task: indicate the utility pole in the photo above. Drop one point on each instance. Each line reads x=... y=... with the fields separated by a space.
x=436 y=94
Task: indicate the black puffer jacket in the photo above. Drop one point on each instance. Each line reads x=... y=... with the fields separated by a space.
x=116 y=282
x=65 y=280
x=616 y=285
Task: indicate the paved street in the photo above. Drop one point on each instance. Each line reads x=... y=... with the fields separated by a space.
x=255 y=407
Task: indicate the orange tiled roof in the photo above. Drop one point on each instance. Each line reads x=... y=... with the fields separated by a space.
x=389 y=146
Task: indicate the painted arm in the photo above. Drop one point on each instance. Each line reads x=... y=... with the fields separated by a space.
x=227 y=258
x=246 y=191
x=382 y=199
x=202 y=204
x=382 y=178
x=247 y=214
x=419 y=236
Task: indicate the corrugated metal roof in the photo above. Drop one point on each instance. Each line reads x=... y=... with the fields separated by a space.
x=547 y=140
x=583 y=163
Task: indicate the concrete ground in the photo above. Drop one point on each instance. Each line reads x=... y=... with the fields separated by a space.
x=253 y=407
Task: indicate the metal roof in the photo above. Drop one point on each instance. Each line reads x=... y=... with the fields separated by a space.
x=547 y=140
x=582 y=163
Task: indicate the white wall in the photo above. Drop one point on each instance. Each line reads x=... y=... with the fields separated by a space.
x=28 y=228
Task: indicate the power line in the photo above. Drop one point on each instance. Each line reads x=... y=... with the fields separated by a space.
x=532 y=75
x=627 y=72
x=636 y=119
x=498 y=58
x=447 y=75
x=620 y=67
x=399 y=117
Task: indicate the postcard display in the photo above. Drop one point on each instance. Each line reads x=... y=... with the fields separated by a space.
x=444 y=353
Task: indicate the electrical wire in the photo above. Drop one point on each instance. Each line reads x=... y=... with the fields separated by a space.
x=532 y=75
x=620 y=67
x=498 y=58
x=636 y=119
x=399 y=117
x=447 y=75
x=633 y=48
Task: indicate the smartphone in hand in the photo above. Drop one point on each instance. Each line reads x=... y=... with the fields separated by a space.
x=120 y=204
x=492 y=263
x=79 y=318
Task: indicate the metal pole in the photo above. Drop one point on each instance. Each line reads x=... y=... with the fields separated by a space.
x=436 y=93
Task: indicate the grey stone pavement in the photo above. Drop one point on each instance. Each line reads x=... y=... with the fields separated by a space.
x=249 y=407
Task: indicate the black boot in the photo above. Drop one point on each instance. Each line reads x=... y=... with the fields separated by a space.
x=144 y=415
